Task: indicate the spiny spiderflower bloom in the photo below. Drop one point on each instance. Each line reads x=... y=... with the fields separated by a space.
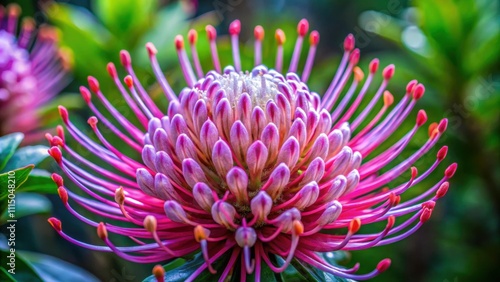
x=250 y=165
x=32 y=71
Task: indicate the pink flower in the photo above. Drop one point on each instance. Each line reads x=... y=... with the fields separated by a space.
x=251 y=164
x=32 y=72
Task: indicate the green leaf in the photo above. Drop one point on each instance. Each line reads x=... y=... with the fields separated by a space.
x=23 y=270
x=29 y=204
x=14 y=179
x=180 y=269
x=29 y=155
x=39 y=181
x=8 y=145
x=51 y=269
x=130 y=19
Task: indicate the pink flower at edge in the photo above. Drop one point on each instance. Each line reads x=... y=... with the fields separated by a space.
x=33 y=70
x=250 y=164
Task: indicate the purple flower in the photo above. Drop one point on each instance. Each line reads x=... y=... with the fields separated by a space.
x=32 y=72
x=252 y=164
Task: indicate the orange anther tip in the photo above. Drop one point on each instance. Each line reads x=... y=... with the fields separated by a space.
x=358 y=74
x=354 y=225
x=298 y=227
x=199 y=233
x=150 y=223
x=129 y=81
x=388 y=98
x=119 y=196
x=159 y=272
x=111 y=70
x=280 y=37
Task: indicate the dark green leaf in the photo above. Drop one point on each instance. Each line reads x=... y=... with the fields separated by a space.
x=39 y=181
x=28 y=204
x=26 y=156
x=53 y=269
x=14 y=179
x=8 y=145
x=23 y=270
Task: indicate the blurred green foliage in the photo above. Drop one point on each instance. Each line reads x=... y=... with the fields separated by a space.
x=451 y=46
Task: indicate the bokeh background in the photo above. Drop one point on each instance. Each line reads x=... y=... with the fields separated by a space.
x=451 y=46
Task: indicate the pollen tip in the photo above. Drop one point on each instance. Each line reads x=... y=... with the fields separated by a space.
x=388 y=71
x=55 y=223
x=60 y=132
x=49 y=138
x=442 y=153
x=433 y=131
x=48 y=33
x=374 y=65
x=258 y=33
x=101 y=231
x=92 y=121
x=87 y=96
x=125 y=58
x=14 y=10
x=235 y=27
x=280 y=37
x=57 y=141
x=358 y=74
x=159 y=272
x=443 y=124
x=349 y=43
x=443 y=189
x=119 y=196
x=152 y=51
x=199 y=233
x=414 y=172
x=426 y=215
x=179 y=42
x=410 y=86
x=418 y=91
x=63 y=112
x=63 y=194
x=421 y=117
x=354 y=58
x=388 y=98
x=28 y=23
x=383 y=265
x=314 y=38
x=93 y=84
x=58 y=180
x=150 y=223
x=129 y=81
x=298 y=227
x=192 y=36
x=303 y=27
x=450 y=171
x=390 y=222
x=211 y=32
x=56 y=154
x=354 y=225
x=110 y=67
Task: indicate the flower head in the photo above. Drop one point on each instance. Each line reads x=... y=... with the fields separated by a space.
x=252 y=164
x=32 y=71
